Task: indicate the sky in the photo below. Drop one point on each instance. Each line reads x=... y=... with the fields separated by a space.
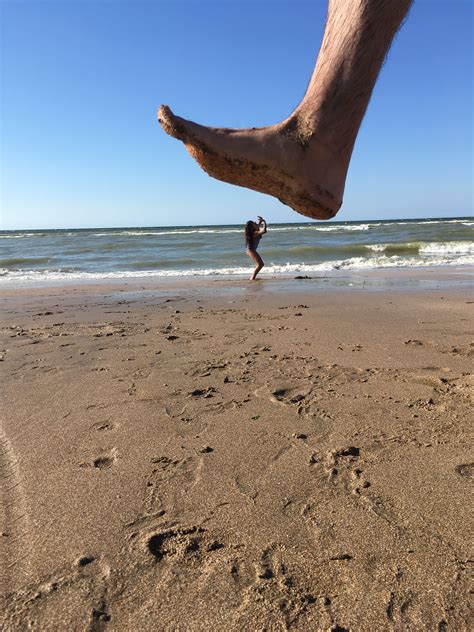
x=81 y=81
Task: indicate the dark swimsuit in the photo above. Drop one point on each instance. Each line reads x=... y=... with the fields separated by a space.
x=255 y=242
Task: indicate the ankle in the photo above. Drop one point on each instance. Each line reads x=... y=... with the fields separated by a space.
x=315 y=127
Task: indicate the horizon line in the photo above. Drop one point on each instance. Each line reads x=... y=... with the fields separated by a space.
x=348 y=221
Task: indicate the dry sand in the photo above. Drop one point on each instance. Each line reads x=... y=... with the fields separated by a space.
x=194 y=459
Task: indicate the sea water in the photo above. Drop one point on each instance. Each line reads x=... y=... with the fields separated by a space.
x=30 y=256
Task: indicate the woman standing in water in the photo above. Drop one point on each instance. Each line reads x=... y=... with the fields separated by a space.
x=253 y=234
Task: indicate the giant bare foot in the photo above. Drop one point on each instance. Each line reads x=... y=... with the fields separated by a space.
x=288 y=160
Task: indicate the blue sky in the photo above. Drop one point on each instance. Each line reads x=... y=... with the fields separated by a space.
x=81 y=81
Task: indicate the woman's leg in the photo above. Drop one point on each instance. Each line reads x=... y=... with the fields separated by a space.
x=253 y=254
x=303 y=160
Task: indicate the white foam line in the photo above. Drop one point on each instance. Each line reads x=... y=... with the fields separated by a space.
x=354 y=263
x=430 y=247
x=447 y=247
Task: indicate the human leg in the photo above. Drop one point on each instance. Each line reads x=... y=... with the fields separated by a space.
x=253 y=254
x=303 y=160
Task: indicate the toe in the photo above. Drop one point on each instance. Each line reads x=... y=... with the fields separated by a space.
x=191 y=134
x=171 y=124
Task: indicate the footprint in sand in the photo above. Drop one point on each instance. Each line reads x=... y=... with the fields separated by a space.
x=285 y=395
x=102 y=461
x=344 y=471
x=465 y=470
x=84 y=583
x=85 y=560
x=350 y=347
x=284 y=601
x=303 y=400
x=205 y=393
x=191 y=545
x=166 y=484
x=340 y=466
x=104 y=427
x=175 y=543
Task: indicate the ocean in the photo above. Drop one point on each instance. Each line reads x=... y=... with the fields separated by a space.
x=32 y=256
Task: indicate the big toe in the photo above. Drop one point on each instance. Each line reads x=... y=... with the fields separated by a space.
x=190 y=133
x=171 y=124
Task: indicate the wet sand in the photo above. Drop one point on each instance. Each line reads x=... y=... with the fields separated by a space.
x=192 y=459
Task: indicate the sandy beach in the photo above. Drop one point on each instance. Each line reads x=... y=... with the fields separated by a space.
x=195 y=457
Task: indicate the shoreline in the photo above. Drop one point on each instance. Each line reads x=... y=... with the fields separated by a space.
x=379 y=279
